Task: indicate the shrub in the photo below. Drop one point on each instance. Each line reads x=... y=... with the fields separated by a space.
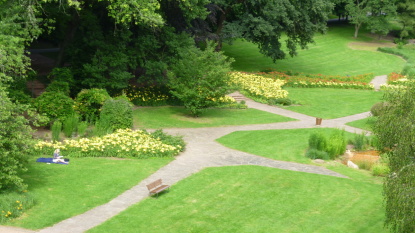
x=380 y=169
x=89 y=101
x=317 y=141
x=360 y=141
x=58 y=86
x=70 y=125
x=54 y=105
x=116 y=114
x=281 y=101
x=378 y=108
x=169 y=139
x=317 y=154
x=56 y=130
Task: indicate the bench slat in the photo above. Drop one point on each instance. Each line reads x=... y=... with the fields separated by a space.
x=156 y=187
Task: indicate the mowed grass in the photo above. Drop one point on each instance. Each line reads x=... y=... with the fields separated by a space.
x=329 y=103
x=257 y=199
x=285 y=145
x=332 y=54
x=365 y=124
x=63 y=191
x=178 y=117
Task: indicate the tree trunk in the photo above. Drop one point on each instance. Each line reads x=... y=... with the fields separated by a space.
x=356 y=29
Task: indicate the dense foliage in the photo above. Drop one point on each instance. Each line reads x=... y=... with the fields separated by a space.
x=395 y=130
x=88 y=103
x=200 y=77
x=15 y=143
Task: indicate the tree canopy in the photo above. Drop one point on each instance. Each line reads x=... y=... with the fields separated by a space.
x=396 y=132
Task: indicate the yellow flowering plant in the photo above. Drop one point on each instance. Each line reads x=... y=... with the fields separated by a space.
x=123 y=143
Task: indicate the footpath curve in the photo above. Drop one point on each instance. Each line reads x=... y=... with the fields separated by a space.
x=202 y=151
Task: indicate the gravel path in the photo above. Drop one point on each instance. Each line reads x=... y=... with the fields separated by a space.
x=201 y=151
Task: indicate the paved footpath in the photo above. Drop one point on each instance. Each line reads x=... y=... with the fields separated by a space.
x=202 y=151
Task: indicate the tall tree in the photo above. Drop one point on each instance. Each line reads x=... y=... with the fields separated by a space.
x=265 y=22
x=406 y=16
x=396 y=132
x=374 y=13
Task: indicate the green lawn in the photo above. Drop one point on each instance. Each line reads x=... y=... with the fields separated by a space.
x=332 y=54
x=329 y=103
x=63 y=191
x=257 y=199
x=365 y=124
x=178 y=117
x=286 y=145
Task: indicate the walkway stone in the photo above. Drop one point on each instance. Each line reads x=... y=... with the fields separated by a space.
x=378 y=81
x=202 y=151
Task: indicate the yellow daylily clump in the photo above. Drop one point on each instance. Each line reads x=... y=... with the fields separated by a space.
x=259 y=86
x=122 y=143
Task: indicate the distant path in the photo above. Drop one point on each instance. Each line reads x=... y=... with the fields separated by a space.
x=378 y=81
x=202 y=151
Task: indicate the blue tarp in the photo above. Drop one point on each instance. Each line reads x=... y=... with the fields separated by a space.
x=48 y=160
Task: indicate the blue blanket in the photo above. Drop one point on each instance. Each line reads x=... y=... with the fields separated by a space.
x=49 y=160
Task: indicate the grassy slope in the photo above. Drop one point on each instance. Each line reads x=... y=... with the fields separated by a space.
x=329 y=103
x=365 y=124
x=330 y=55
x=63 y=191
x=177 y=117
x=257 y=199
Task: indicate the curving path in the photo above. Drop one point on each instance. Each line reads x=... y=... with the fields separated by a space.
x=202 y=151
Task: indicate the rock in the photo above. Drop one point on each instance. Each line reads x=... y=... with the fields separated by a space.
x=318 y=161
x=352 y=165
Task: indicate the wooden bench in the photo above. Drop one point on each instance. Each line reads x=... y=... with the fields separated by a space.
x=156 y=187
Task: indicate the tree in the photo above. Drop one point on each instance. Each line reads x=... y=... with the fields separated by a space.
x=406 y=16
x=374 y=13
x=199 y=77
x=15 y=143
x=265 y=22
x=396 y=132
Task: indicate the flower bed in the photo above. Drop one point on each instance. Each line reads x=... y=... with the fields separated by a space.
x=259 y=86
x=396 y=81
x=319 y=80
x=123 y=143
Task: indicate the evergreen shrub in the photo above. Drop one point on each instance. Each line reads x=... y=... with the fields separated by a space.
x=117 y=114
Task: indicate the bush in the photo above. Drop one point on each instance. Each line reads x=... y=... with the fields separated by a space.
x=117 y=114
x=360 y=141
x=378 y=108
x=58 y=86
x=280 y=101
x=317 y=141
x=380 y=169
x=56 y=130
x=89 y=102
x=54 y=105
x=317 y=154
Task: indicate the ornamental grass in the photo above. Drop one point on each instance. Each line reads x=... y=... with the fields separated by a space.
x=123 y=143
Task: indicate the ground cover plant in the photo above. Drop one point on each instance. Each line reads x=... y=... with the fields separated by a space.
x=178 y=117
x=329 y=103
x=258 y=199
x=286 y=145
x=63 y=191
x=330 y=55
